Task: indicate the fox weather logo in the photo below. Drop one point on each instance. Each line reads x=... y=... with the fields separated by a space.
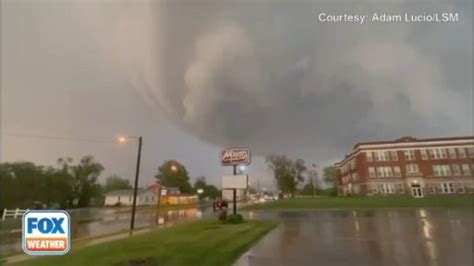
x=46 y=232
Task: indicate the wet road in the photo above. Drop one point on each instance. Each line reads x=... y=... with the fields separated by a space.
x=366 y=237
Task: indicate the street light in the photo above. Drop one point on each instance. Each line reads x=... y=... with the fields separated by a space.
x=137 y=173
x=174 y=168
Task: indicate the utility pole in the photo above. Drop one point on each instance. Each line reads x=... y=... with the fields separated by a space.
x=135 y=188
x=313 y=178
x=235 y=194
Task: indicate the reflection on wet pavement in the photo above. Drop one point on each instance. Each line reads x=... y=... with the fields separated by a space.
x=100 y=221
x=366 y=237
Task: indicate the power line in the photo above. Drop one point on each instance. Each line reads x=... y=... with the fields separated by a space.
x=61 y=138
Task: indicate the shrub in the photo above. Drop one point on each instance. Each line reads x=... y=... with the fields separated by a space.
x=234 y=219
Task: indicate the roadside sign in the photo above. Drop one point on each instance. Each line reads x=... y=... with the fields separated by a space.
x=163 y=192
x=46 y=232
x=235 y=182
x=235 y=156
x=200 y=191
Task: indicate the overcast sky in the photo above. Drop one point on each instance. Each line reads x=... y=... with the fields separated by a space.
x=192 y=77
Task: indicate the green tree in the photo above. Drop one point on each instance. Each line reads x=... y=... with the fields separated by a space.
x=59 y=187
x=209 y=191
x=200 y=183
x=308 y=189
x=115 y=182
x=84 y=178
x=288 y=173
x=173 y=174
x=329 y=175
x=24 y=183
x=212 y=192
x=300 y=169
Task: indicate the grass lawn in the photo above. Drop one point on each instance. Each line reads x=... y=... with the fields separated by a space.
x=202 y=242
x=442 y=201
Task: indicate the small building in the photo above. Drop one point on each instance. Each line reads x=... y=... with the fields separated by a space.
x=125 y=197
x=172 y=195
x=180 y=199
x=410 y=166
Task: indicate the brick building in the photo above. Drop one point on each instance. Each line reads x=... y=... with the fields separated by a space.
x=411 y=166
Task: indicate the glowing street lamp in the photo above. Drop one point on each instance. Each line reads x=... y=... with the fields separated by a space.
x=174 y=168
x=122 y=140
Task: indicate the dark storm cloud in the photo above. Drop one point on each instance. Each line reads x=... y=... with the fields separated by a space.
x=268 y=75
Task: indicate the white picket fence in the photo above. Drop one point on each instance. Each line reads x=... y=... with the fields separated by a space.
x=13 y=213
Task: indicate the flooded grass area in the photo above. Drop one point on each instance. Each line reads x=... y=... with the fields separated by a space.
x=204 y=242
x=94 y=223
x=445 y=201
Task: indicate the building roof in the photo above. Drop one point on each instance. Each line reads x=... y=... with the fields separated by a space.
x=401 y=141
x=125 y=192
x=412 y=139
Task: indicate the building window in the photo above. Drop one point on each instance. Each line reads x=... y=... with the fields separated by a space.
x=424 y=154
x=355 y=177
x=376 y=156
x=438 y=153
x=441 y=170
x=431 y=189
x=353 y=165
x=456 y=169
x=396 y=171
x=462 y=153
x=372 y=172
x=469 y=186
x=373 y=188
x=380 y=188
x=409 y=154
x=394 y=155
x=470 y=152
x=452 y=153
x=381 y=156
x=412 y=168
x=384 y=171
x=388 y=171
x=459 y=187
x=466 y=170
x=379 y=172
x=369 y=156
x=146 y=198
x=431 y=152
x=387 y=188
x=447 y=187
x=400 y=188
x=442 y=154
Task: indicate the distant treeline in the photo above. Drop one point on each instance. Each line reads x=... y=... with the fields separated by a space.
x=26 y=185
x=75 y=185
